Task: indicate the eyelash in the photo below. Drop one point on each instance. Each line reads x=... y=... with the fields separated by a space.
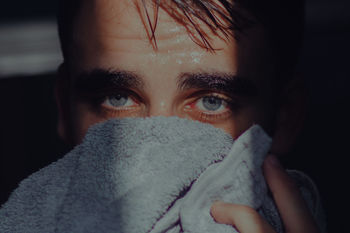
x=206 y=117
x=115 y=112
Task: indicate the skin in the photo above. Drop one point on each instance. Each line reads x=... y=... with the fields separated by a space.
x=104 y=41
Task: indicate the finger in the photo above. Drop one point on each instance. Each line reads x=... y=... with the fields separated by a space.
x=245 y=219
x=290 y=203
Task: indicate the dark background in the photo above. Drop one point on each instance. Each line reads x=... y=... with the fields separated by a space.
x=28 y=139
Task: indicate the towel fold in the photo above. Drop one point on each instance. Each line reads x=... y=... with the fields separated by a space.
x=135 y=175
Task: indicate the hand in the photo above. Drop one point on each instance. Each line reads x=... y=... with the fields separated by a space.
x=293 y=210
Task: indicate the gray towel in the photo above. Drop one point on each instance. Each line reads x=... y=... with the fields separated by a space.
x=136 y=175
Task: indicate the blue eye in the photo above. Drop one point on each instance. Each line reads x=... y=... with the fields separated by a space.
x=119 y=100
x=211 y=103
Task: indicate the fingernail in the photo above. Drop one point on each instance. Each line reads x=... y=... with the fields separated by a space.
x=273 y=161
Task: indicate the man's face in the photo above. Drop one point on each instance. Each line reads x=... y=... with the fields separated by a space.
x=118 y=73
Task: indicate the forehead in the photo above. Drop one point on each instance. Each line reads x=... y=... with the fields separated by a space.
x=135 y=18
x=125 y=19
x=111 y=18
x=110 y=32
x=121 y=27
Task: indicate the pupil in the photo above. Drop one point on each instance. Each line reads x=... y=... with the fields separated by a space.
x=118 y=100
x=212 y=103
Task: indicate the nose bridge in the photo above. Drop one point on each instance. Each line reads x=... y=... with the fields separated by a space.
x=161 y=91
x=161 y=107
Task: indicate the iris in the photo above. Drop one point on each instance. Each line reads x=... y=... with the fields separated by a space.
x=118 y=100
x=212 y=103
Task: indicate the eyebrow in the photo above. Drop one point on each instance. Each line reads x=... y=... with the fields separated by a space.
x=99 y=81
x=221 y=82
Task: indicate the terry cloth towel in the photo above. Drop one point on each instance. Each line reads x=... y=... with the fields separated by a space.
x=138 y=175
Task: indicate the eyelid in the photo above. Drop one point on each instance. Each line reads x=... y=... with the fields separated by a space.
x=208 y=116
x=201 y=94
x=191 y=98
x=130 y=93
x=107 y=102
x=211 y=116
x=222 y=95
x=118 y=111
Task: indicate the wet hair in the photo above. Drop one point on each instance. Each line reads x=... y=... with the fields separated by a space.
x=282 y=20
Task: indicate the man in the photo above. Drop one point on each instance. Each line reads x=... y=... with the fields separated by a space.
x=218 y=62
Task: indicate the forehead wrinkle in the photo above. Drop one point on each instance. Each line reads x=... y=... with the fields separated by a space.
x=117 y=20
x=165 y=25
x=174 y=42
